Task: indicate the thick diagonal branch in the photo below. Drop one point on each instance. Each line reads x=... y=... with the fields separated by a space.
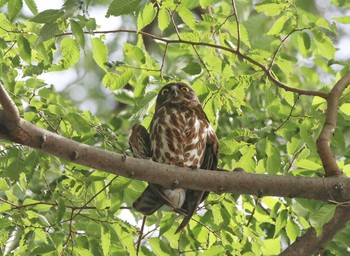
x=323 y=141
x=310 y=242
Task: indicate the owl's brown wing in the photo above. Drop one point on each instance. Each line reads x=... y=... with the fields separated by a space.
x=195 y=197
x=139 y=142
x=152 y=198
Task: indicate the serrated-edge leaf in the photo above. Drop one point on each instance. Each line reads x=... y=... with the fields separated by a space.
x=122 y=7
x=324 y=45
x=78 y=33
x=70 y=52
x=146 y=16
x=308 y=164
x=322 y=216
x=193 y=68
x=47 y=32
x=163 y=19
x=134 y=52
x=187 y=17
x=343 y=20
x=277 y=26
x=304 y=43
x=48 y=16
x=24 y=48
x=99 y=52
x=32 y=6
x=292 y=230
x=14 y=7
x=105 y=240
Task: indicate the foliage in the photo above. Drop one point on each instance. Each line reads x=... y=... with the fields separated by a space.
x=232 y=56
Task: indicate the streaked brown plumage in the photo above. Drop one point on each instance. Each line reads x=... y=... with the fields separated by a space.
x=181 y=135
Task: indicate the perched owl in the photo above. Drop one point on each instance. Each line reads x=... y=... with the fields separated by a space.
x=181 y=135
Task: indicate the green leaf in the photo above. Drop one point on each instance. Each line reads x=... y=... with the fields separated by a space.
x=24 y=48
x=205 y=3
x=187 y=17
x=304 y=43
x=122 y=7
x=343 y=20
x=105 y=240
x=281 y=221
x=32 y=6
x=48 y=16
x=47 y=32
x=292 y=230
x=278 y=25
x=70 y=53
x=79 y=124
x=293 y=145
x=163 y=19
x=273 y=162
x=321 y=216
x=43 y=249
x=308 y=165
x=193 y=68
x=61 y=209
x=78 y=33
x=324 y=45
x=99 y=52
x=345 y=108
x=134 y=53
x=13 y=8
x=115 y=82
x=4 y=207
x=146 y=16
x=271 y=247
x=270 y=9
x=3 y=2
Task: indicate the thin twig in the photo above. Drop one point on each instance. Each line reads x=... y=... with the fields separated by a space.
x=237 y=24
x=141 y=233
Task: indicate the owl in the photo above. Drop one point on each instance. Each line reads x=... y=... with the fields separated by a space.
x=180 y=134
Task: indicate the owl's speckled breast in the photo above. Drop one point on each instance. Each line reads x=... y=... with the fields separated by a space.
x=178 y=137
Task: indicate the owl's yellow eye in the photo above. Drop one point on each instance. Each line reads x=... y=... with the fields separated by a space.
x=164 y=91
x=185 y=89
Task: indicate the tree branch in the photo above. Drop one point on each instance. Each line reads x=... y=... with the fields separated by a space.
x=333 y=188
x=310 y=242
x=323 y=141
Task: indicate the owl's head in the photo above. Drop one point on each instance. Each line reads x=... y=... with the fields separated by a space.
x=175 y=94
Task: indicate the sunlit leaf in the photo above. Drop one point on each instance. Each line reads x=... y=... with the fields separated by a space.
x=78 y=33
x=13 y=8
x=48 y=16
x=146 y=16
x=99 y=52
x=24 y=48
x=187 y=17
x=32 y=6
x=122 y=7
x=163 y=19
x=193 y=69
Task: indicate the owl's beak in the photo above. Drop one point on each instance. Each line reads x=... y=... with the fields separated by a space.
x=174 y=94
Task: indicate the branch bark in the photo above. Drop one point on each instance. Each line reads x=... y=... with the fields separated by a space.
x=20 y=131
x=310 y=242
x=323 y=141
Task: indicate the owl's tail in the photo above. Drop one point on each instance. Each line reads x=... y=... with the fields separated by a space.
x=149 y=201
